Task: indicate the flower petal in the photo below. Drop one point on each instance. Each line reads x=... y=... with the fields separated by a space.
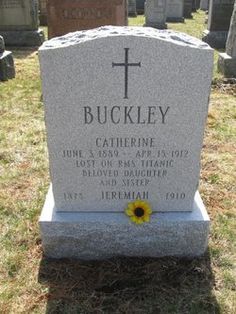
x=133 y=218
x=146 y=218
x=131 y=206
x=129 y=212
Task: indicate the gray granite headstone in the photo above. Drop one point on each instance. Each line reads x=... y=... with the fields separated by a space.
x=227 y=60
x=194 y=8
x=7 y=69
x=43 y=12
x=204 y=5
x=219 y=15
x=188 y=9
x=140 y=6
x=125 y=113
x=155 y=13
x=175 y=11
x=132 y=8
x=19 y=23
x=2 y=44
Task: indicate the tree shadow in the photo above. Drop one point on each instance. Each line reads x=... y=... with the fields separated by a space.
x=129 y=285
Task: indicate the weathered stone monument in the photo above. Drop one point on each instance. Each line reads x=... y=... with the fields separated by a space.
x=219 y=15
x=132 y=8
x=204 y=5
x=19 y=23
x=227 y=60
x=195 y=5
x=66 y=16
x=125 y=115
x=188 y=9
x=175 y=11
x=140 y=6
x=155 y=13
x=43 y=12
x=7 y=69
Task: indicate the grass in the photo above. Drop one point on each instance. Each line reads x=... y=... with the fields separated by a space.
x=31 y=284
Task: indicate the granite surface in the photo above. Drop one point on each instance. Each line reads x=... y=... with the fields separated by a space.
x=66 y=16
x=219 y=16
x=132 y=8
x=215 y=39
x=204 y=5
x=114 y=135
x=43 y=12
x=104 y=235
x=175 y=11
x=23 y=38
x=140 y=6
x=231 y=40
x=227 y=60
x=155 y=13
x=188 y=9
x=2 y=44
x=19 y=15
x=7 y=69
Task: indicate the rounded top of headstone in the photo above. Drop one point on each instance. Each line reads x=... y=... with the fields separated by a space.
x=119 y=31
x=2 y=44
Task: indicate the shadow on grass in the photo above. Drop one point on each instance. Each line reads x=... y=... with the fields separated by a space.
x=129 y=285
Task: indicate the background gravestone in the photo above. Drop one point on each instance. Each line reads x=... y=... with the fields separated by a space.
x=2 y=44
x=195 y=5
x=43 y=12
x=227 y=60
x=155 y=13
x=219 y=16
x=175 y=11
x=188 y=9
x=204 y=5
x=132 y=8
x=125 y=116
x=66 y=16
x=7 y=69
x=140 y=6
x=19 y=23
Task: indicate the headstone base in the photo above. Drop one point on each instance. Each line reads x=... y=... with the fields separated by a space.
x=157 y=26
x=7 y=69
x=227 y=65
x=204 y=5
x=23 y=38
x=133 y=14
x=216 y=39
x=175 y=19
x=43 y=20
x=188 y=9
x=104 y=235
x=140 y=6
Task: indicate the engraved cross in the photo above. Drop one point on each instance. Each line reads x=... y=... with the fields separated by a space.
x=126 y=64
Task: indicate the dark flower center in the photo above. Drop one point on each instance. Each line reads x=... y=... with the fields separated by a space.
x=139 y=212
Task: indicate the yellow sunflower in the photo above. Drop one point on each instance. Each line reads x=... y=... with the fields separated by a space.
x=139 y=211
